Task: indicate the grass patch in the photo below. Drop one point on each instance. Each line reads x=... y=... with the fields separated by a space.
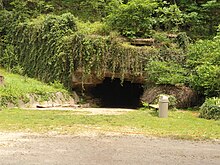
x=180 y=124
x=18 y=87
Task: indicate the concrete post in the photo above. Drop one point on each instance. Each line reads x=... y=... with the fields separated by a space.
x=163 y=107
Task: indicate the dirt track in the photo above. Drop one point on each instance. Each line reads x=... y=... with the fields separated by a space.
x=23 y=149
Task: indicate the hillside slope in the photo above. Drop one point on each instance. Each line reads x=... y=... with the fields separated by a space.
x=16 y=90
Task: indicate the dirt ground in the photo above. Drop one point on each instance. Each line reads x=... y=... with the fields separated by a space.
x=91 y=111
x=94 y=149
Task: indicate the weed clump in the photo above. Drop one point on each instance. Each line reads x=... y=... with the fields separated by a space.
x=210 y=109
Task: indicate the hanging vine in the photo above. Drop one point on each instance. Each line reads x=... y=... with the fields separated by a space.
x=50 y=48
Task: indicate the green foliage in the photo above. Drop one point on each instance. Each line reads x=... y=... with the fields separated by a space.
x=99 y=55
x=57 y=85
x=29 y=7
x=1 y=4
x=9 y=58
x=217 y=37
x=170 y=18
x=166 y=73
x=161 y=37
x=86 y=10
x=95 y=28
x=50 y=48
x=206 y=79
x=145 y=105
x=210 y=109
x=204 y=63
x=208 y=19
x=138 y=18
x=211 y=14
x=172 y=102
x=6 y=18
x=199 y=19
x=134 y=19
x=183 y=41
x=36 y=47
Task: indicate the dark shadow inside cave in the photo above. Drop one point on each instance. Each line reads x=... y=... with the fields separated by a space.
x=114 y=94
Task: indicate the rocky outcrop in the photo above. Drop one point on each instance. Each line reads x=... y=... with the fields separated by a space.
x=57 y=99
x=93 y=79
x=142 y=41
x=186 y=97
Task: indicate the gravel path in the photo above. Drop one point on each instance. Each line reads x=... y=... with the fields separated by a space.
x=25 y=149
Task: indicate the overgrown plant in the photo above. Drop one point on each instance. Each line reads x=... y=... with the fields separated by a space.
x=36 y=46
x=210 y=109
x=134 y=19
x=203 y=61
x=50 y=48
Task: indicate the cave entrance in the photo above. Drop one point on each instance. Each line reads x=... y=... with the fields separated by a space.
x=114 y=94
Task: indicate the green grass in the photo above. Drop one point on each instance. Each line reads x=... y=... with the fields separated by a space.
x=20 y=85
x=17 y=87
x=180 y=124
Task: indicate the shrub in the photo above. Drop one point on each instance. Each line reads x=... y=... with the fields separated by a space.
x=134 y=18
x=206 y=79
x=138 y=18
x=210 y=109
x=95 y=28
x=204 y=62
x=170 y=18
x=165 y=73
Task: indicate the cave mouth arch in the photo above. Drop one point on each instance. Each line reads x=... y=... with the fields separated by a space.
x=112 y=93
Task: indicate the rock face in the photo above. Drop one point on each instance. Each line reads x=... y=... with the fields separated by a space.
x=143 y=41
x=57 y=99
x=1 y=80
x=186 y=97
x=93 y=79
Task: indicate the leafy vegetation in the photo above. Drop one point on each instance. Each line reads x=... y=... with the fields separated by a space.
x=36 y=47
x=210 y=109
x=204 y=62
x=51 y=39
x=134 y=18
x=51 y=48
x=166 y=73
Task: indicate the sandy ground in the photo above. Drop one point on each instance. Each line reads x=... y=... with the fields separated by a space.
x=91 y=111
x=92 y=149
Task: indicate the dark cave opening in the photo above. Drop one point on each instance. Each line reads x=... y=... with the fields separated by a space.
x=114 y=94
